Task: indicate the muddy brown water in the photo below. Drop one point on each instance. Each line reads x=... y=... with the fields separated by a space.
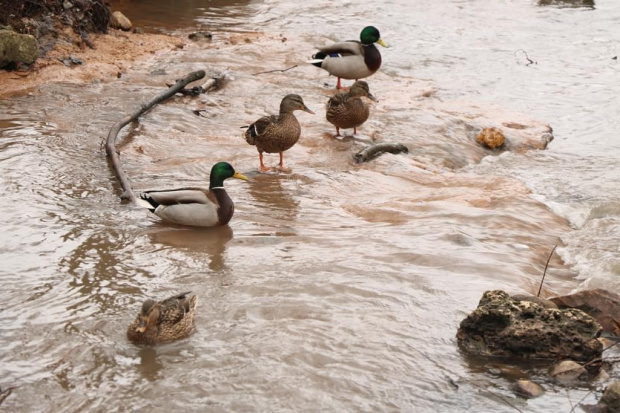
x=337 y=287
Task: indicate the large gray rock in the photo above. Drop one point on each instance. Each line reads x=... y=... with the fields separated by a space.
x=503 y=326
x=15 y=47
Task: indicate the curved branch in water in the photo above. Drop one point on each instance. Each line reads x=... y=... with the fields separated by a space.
x=110 y=146
x=377 y=149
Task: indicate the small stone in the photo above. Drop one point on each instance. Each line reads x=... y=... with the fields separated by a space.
x=119 y=21
x=138 y=30
x=67 y=5
x=528 y=389
x=567 y=371
x=611 y=396
x=201 y=36
x=491 y=138
x=602 y=376
x=158 y=72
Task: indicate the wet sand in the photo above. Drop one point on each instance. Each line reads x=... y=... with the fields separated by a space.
x=112 y=55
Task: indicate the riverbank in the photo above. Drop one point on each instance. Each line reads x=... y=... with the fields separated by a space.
x=112 y=54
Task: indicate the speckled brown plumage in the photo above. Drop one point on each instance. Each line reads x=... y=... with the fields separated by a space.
x=347 y=109
x=277 y=133
x=166 y=320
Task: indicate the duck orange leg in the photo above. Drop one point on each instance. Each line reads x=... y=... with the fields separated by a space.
x=337 y=131
x=263 y=168
x=338 y=85
x=354 y=130
x=281 y=166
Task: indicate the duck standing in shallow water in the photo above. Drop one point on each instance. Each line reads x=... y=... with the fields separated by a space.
x=351 y=59
x=195 y=206
x=277 y=133
x=160 y=321
x=347 y=109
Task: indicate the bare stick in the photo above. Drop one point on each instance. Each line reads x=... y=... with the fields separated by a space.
x=545 y=272
x=374 y=150
x=110 y=146
x=580 y=401
x=444 y=369
x=277 y=70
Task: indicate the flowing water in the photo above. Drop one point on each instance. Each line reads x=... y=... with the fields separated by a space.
x=337 y=287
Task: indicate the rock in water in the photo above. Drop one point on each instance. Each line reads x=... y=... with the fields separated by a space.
x=601 y=304
x=567 y=371
x=528 y=389
x=119 y=21
x=15 y=47
x=611 y=396
x=503 y=326
x=491 y=138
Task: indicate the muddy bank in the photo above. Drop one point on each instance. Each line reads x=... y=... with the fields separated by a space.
x=112 y=55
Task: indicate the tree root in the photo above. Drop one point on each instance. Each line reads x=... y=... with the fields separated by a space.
x=375 y=150
x=110 y=146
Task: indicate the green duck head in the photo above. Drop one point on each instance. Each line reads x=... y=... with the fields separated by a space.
x=370 y=35
x=359 y=89
x=293 y=102
x=221 y=171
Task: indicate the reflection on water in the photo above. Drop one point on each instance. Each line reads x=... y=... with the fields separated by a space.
x=209 y=241
x=177 y=14
x=149 y=367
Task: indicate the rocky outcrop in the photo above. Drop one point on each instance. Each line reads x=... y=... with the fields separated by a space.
x=503 y=326
x=601 y=304
x=119 y=21
x=15 y=47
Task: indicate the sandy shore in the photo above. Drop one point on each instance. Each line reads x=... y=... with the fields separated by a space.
x=113 y=53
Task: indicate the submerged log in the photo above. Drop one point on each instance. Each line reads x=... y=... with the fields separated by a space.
x=375 y=150
x=110 y=146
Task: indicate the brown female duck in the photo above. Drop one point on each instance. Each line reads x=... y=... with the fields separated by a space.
x=277 y=133
x=160 y=321
x=347 y=109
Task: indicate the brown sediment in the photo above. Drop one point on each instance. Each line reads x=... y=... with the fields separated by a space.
x=112 y=55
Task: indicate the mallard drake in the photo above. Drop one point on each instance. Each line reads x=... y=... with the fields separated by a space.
x=160 y=321
x=195 y=206
x=351 y=59
x=277 y=133
x=347 y=109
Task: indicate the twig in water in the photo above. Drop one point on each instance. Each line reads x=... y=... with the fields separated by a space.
x=445 y=371
x=530 y=61
x=374 y=150
x=580 y=401
x=277 y=70
x=545 y=272
x=5 y=393
x=570 y=401
x=110 y=146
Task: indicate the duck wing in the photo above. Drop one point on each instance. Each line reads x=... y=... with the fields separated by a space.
x=259 y=127
x=175 y=308
x=348 y=48
x=177 y=196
